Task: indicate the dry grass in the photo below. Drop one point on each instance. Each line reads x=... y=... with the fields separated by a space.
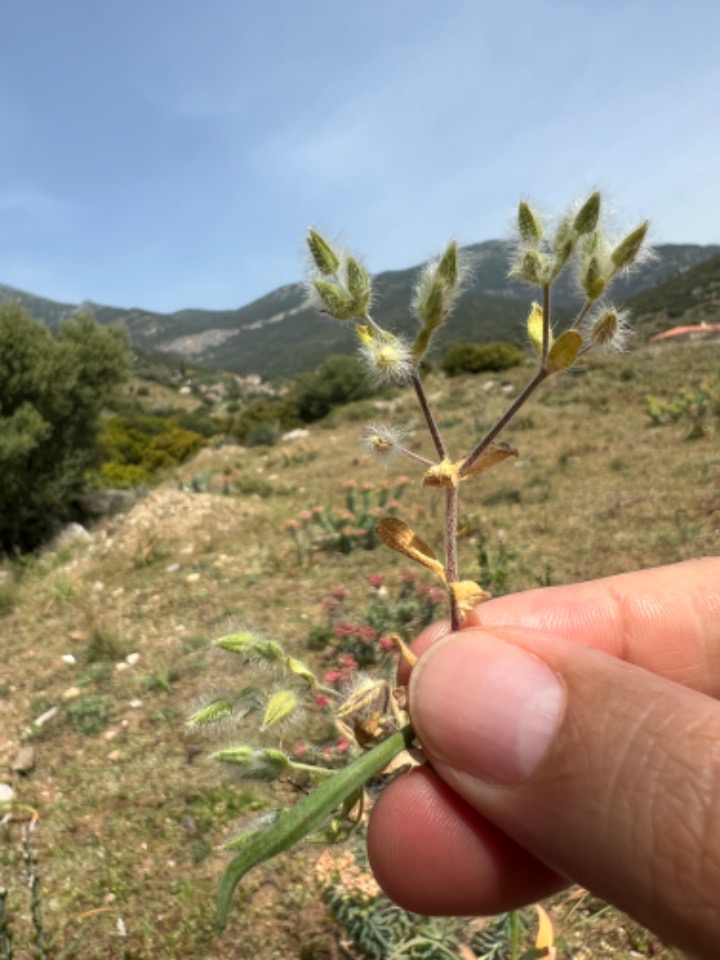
x=132 y=821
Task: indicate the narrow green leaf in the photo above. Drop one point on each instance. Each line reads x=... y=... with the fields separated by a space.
x=295 y=824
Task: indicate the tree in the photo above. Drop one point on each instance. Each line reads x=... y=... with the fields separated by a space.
x=52 y=391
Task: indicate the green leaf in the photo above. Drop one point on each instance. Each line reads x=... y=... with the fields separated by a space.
x=564 y=351
x=307 y=815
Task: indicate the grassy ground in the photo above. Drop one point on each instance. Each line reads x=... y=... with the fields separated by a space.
x=132 y=819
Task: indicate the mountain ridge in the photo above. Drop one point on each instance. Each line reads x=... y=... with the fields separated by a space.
x=279 y=334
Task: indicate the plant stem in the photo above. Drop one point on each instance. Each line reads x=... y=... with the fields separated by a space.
x=451 y=556
x=515 y=934
x=413 y=455
x=532 y=386
x=546 y=323
x=428 y=414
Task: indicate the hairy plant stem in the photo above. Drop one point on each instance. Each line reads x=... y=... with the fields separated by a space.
x=428 y=414
x=517 y=403
x=451 y=503
x=451 y=555
x=414 y=456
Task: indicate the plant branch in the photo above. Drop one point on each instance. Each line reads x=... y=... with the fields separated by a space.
x=521 y=399
x=428 y=414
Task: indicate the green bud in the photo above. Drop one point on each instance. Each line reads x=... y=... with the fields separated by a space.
x=430 y=306
x=564 y=351
x=251 y=647
x=532 y=268
x=212 y=712
x=279 y=707
x=336 y=301
x=588 y=215
x=359 y=288
x=448 y=268
x=299 y=669
x=563 y=244
x=529 y=224
x=625 y=253
x=241 y=755
x=605 y=328
x=593 y=281
x=324 y=257
x=254 y=764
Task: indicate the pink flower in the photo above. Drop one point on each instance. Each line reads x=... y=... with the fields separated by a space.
x=387 y=643
x=366 y=485
x=340 y=593
x=321 y=701
x=305 y=516
x=291 y=525
x=347 y=662
x=342 y=744
x=333 y=676
x=376 y=580
x=349 y=484
x=299 y=749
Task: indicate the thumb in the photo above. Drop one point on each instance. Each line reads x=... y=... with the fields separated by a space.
x=607 y=773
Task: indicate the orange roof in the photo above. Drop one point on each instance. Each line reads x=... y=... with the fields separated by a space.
x=679 y=331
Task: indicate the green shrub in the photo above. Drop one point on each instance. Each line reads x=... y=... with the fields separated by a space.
x=52 y=390
x=479 y=357
x=337 y=381
x=136 y=445
x=279 y=415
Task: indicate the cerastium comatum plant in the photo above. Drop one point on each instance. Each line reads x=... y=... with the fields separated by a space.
x=373 y=714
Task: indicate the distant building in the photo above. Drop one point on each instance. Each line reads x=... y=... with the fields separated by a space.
x=702 y=331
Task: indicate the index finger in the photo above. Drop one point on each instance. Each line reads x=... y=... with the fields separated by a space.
x=666 y=620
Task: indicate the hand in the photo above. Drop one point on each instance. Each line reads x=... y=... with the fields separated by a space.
x=572 y=734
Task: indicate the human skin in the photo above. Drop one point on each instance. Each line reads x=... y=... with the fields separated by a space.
x=572 y=735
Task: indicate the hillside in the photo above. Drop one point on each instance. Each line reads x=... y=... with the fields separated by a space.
x=693 y=295
x=278 y=335
x=108 y=639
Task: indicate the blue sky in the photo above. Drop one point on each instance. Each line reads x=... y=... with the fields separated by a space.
x=171 y=153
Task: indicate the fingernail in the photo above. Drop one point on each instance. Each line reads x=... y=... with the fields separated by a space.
x=485 y=707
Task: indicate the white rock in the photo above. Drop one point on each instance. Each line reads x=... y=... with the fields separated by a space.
x=297 y=434
x=6 y=793
x=44 y=717
x=68 y=658
x=135 y=704
x=132 y=659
